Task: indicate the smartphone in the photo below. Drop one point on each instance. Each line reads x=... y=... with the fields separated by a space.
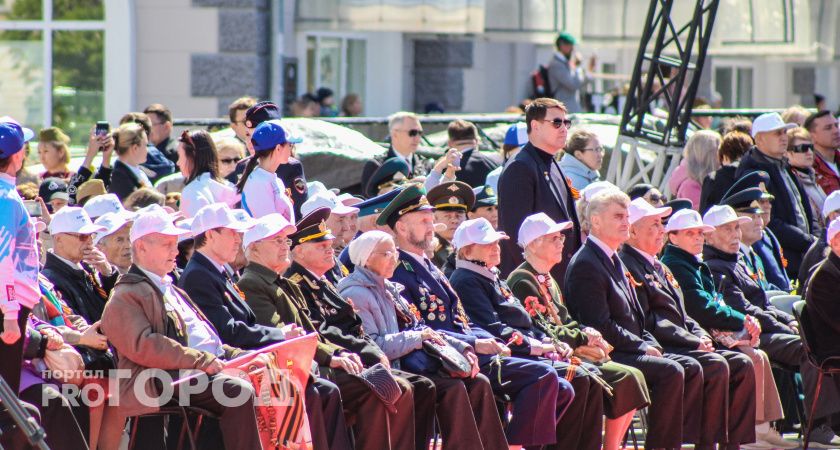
x=102 y=128
x=33 y=207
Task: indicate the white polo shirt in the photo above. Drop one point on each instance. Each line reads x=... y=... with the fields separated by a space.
x=264 y=194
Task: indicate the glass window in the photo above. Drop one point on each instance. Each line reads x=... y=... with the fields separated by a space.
x=78 y=82
x=356 y=64
x=723 y=85
x=22 y=85
x=744 y=88
x=21 y=10
x=539 y=15
x=338 y=63
x=735 y=86
x=78 y=10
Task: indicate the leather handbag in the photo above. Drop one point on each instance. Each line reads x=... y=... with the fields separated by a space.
x=452 y=363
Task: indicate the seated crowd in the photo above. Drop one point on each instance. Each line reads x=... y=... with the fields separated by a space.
x=504 y=304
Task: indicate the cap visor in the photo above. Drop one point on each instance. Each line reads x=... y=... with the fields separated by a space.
x=703 y=228
x=172 y=230
x=27 y=134
x=494 y=237
x=343 y=210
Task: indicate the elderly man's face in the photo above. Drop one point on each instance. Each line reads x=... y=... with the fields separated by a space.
x=340 y=226
x=156 y=253
x=417 y=229
x=224 y=243
x=690 y=240
x=648 y=235
x=825 y=132
x=273 y=251
x=726 y=237
x=772 y=143
x=751 y=232
x=117 y=247
x=317 y=257
x=612 y=224
x=406 y=136
x=72 y=246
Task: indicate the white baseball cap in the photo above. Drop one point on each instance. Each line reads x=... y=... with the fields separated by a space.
x=686 y=219
x=721 y=215
x=267 y=226
x=326 y=199
x=155 y=220
x=72 y=219
x=243 y=216
x=112 y=222
x=103 y=204
x=476 y=231
x=831 y=204
x=593 y=189
x=639 y=209
x=833 y=229
x=217 y=215
x=770 y=122
x=538 y=225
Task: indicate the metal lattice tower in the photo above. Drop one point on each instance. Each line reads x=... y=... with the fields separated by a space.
x=666 y=76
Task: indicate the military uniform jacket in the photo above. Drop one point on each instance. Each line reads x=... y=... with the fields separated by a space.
x=741 y=292
x=526 y=186
x=444 y=257
x=490 y=304
x=277 y=301
x=334 y=317
x=223 y=304
x=770 y=252
x=338 y=271
x=436 y=301
x=662 y=301
x=702 y=302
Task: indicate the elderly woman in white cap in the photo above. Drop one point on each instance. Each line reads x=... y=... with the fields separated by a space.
x=542 y=241
x=397 y=328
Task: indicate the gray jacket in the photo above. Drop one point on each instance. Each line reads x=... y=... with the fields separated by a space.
x=565 y=83
x=578 y=172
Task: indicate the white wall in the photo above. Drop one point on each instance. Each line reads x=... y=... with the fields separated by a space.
x=168 y=32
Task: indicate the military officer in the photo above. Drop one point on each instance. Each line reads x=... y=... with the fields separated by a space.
x=451 y=201
x=486 y=205
x=539 y=398
x=392 y=173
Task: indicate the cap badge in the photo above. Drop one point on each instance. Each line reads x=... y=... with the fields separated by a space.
x=455 y=200
x=452 y=188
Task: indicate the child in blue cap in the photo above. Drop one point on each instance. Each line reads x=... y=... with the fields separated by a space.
x=262 y=191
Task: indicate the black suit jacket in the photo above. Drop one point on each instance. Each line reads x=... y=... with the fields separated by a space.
x=76 y=289
x=662 y=301
x=599 y=298
x=333 y=316
x=715 y=186
x=220 y=301
x=795 y=241
x=475 y=166
x=123 y=181
x=822 y=308
x=525 y=188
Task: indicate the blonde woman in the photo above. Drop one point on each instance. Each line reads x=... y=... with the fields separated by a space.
x=130 y=143
x=699 y=159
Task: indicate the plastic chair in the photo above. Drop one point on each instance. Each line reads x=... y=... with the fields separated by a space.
x=826 y=366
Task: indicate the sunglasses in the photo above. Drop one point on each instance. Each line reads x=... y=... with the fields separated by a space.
x=414 y=133
x=230 y=160
x=557 y=123
x=802 y=148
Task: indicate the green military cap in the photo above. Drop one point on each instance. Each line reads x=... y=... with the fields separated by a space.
x=393 y=171
x=312 y=228
x=411 y=198
x=452 y=196
x=746 y=200
x=484 y=196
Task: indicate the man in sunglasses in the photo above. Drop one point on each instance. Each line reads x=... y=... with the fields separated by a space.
x=791 y=218
x=533 y=181
x=406 y=134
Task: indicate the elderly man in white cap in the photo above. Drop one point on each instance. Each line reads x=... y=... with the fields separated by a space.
x=154 y=325
x=340 y=221
x=728 y=377
x=114 y=241
x=106 y=203
x=79 y=270
x=791 y=219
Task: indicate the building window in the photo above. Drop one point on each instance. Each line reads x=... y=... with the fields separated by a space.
x=52 y=56
x=756 y=22
x=337 y=63
x=734 y=85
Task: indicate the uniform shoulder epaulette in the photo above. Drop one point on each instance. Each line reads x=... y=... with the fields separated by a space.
x=295 y=278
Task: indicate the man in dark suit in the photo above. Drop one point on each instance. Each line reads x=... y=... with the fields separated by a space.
x=537 y=395
x=290 y=173
x=475 y=165
x=406 y=134
x=791 y=219
x=728 y=376
x=600 y=294
x=533 y=181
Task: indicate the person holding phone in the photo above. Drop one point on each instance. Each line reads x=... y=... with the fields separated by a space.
x=99 y=141
x=18 y=253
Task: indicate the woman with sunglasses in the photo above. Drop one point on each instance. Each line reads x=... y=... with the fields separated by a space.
x=800 y=155
x=262 y=191
x=198 y=162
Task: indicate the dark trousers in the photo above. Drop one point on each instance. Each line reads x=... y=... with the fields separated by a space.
x=538 y=396
x=665 y=378
x=425 y=397
x=373 y=426
x=787 y=349
x=63 y=431
x=326 y=416
x=727 y=410
x=11 y=355
x=580 y=426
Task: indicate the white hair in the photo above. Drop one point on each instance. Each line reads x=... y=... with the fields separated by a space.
x=398 y=117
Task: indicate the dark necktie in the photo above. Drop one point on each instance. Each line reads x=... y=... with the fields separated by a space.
x=618 y=268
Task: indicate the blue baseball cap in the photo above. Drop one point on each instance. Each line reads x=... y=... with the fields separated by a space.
x=270 y=134
x=376 y=204
x=12 y=136
x=517 y=134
